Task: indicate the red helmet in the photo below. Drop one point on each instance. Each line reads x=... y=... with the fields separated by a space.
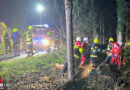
x=116 y=43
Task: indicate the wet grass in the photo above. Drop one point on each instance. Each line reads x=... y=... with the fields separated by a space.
x=17 y=67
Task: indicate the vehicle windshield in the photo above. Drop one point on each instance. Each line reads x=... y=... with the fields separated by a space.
x=40 y=31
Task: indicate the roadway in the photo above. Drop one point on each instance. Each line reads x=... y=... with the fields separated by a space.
x=22 y=55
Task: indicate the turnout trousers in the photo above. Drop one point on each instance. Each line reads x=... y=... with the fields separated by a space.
x=29 y=49
x=116 y=60
x=7 y=48
x=16 y=48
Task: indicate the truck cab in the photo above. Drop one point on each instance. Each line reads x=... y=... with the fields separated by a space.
x=42 y=38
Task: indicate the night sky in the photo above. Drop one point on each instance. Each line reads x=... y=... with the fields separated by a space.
x=25 y=9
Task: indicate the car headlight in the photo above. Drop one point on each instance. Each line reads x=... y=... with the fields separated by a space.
x=45 y=41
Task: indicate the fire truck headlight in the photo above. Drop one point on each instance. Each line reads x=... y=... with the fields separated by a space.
x=36 y=40
x=45 y=41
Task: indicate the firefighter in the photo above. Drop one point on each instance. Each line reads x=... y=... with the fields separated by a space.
x=64 y=69
x=7 y=43
x=77 y=53
x=84 y=50
x=109 y=47
x=115 y=53
x=94 y=52
x=76 y=57
x=29 y=42
x=16 y=42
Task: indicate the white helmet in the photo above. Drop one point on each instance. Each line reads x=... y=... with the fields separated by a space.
x=78 y=39
x=85 y=39
x=120 y=43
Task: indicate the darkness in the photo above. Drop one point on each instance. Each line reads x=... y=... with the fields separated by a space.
x=108 y=14
x=13 y=11
x=25 y=9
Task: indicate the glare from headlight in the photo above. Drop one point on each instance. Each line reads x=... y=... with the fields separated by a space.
x=36 y=40
x=45 y=41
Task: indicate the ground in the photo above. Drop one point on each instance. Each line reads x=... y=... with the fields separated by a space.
x=40 y=73
x=37 y=81
x=30 y=69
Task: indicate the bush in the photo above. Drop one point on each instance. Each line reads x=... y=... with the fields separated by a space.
x=127 y=55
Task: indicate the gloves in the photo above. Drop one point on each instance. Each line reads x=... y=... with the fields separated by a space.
x=94 y=50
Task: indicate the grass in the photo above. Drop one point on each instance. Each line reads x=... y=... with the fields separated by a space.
x=17 y=67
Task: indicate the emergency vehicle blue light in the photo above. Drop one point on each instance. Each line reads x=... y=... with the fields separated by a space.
x=36 y=40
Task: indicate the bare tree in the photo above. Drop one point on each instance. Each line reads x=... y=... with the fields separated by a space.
x=68 y=13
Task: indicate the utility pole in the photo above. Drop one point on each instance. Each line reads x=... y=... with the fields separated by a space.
x=68 y=13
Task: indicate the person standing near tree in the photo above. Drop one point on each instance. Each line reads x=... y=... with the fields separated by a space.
x=29 y=42
x=107 y=51
x=76 y=57
x=77 y=53
x=94 y=52
x=16 y=42
x=84 y=50
x=7 y=43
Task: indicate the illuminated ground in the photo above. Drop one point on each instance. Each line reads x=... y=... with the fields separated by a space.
x=22 y=55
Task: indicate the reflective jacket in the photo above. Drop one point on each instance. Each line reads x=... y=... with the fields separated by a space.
x=6 y=38
x=94 y=51
x=84 y=48
x=16 y=38
x=77 y=53
x=29 y=37
x=109 y=47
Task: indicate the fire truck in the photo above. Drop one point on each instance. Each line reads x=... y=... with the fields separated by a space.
x=42 y=37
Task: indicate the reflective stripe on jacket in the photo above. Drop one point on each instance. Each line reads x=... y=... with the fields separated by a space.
x=29 y=37
x=76 y=56
x=77 y=53
x=93 y=52
x=109 y=47
x=83 y=48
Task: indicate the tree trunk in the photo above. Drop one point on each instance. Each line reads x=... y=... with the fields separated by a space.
x=119 y=37
x=68 y=13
